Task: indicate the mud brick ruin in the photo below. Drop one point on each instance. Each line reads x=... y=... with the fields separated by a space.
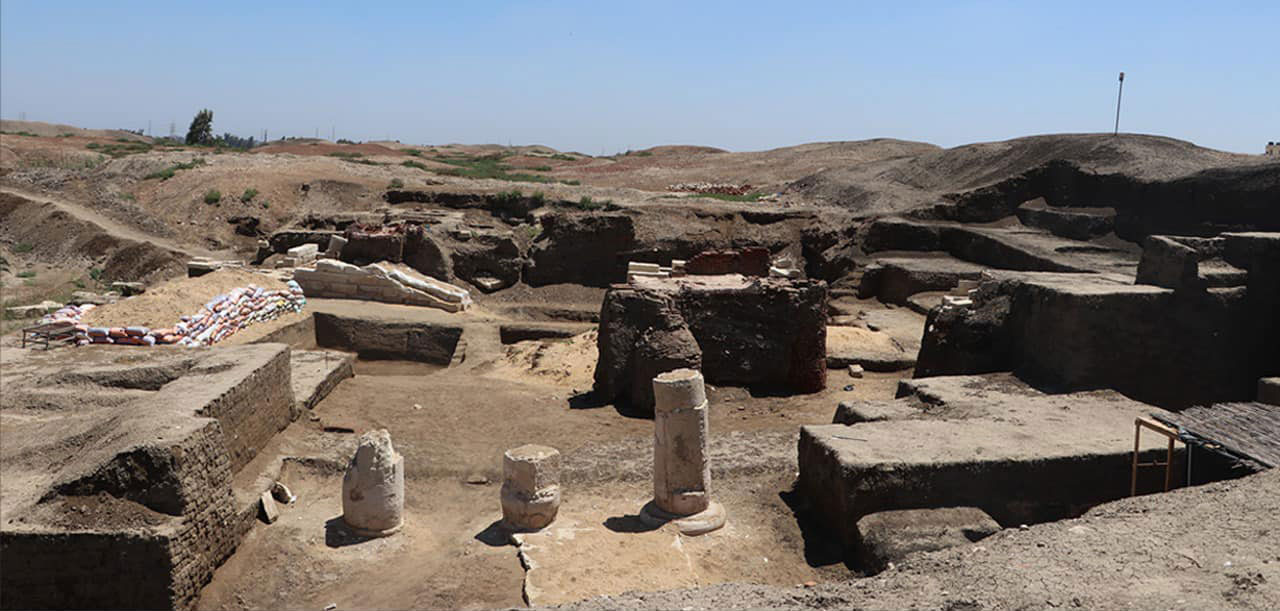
x=885 y=374
x=734 y=329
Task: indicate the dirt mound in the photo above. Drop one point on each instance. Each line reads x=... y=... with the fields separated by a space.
x=566 y=363
x=54 y=236
x=163 y=305
x=51 y=130
x=894 y=185
x=324 y=147
x=656 y=168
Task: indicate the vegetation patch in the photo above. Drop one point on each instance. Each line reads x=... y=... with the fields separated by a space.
x=346 y=154
x=169 y=172
x=23 y=247
x=414 y=164
x=746 y=197
x=212 y=196
x=487 y=166
x=588 y=204
x=248 y=195
x=395 y=183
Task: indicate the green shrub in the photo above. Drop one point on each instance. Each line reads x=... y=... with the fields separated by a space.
x=248 y=195
x=129 y=197
x=23 y=247
x=395 y=183
x=27 y=274
x=414 y=164
x=265 y=204
x=539 y=199
x=541 y=168
x=212 y=196
x=586 y=203
x=507 y=198
x=78 y=283
x=168 y=172
x=346 y=154
x=93 y=145
x=95 y=273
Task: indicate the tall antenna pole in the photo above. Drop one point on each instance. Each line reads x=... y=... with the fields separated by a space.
x=1118 y=96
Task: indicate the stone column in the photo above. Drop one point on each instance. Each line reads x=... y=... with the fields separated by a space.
x=681 y=470
x=530 y=487
x=373 y=488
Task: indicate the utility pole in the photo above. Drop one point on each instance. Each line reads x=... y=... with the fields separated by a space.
x=1119 y=94
x=333 y=132
x=148 y=127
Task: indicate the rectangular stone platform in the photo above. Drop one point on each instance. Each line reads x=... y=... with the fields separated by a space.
x=1019 y=455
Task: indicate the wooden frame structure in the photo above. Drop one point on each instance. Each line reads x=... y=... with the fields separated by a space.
x=1170 y=433
x=49 y=332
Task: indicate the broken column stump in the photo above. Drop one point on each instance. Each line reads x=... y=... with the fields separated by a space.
x=530 y=487
x=373 y=488
x=681 y=469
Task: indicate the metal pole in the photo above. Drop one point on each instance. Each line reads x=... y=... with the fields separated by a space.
x=1118 y=96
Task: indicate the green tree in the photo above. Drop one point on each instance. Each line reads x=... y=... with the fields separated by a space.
x=201 y=130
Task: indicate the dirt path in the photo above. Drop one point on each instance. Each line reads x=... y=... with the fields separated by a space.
x=114 y=227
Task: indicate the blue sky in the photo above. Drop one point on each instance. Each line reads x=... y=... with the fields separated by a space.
x=607 y=76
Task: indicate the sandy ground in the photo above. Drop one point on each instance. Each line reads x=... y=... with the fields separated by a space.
x=1205 y=547
x=452 y=426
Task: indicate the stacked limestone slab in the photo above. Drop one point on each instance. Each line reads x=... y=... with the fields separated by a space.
x=380 y=282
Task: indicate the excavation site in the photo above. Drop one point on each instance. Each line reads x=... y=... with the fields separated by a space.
x=749 y=306
x=398 y=388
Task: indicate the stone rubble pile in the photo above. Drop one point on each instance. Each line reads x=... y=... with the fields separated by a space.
x=719 y=188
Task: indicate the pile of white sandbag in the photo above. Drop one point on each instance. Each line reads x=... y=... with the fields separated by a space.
x=220 y=318
x=226 y=314
x=67 y=313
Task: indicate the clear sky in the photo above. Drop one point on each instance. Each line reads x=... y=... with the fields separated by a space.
x=606 y=76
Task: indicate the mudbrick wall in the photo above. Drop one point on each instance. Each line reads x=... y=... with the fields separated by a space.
x=255 y=409
x=389 y=339
x=1075 y=332
x=1204 y=203
x=153 y=567
x=765 y=333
